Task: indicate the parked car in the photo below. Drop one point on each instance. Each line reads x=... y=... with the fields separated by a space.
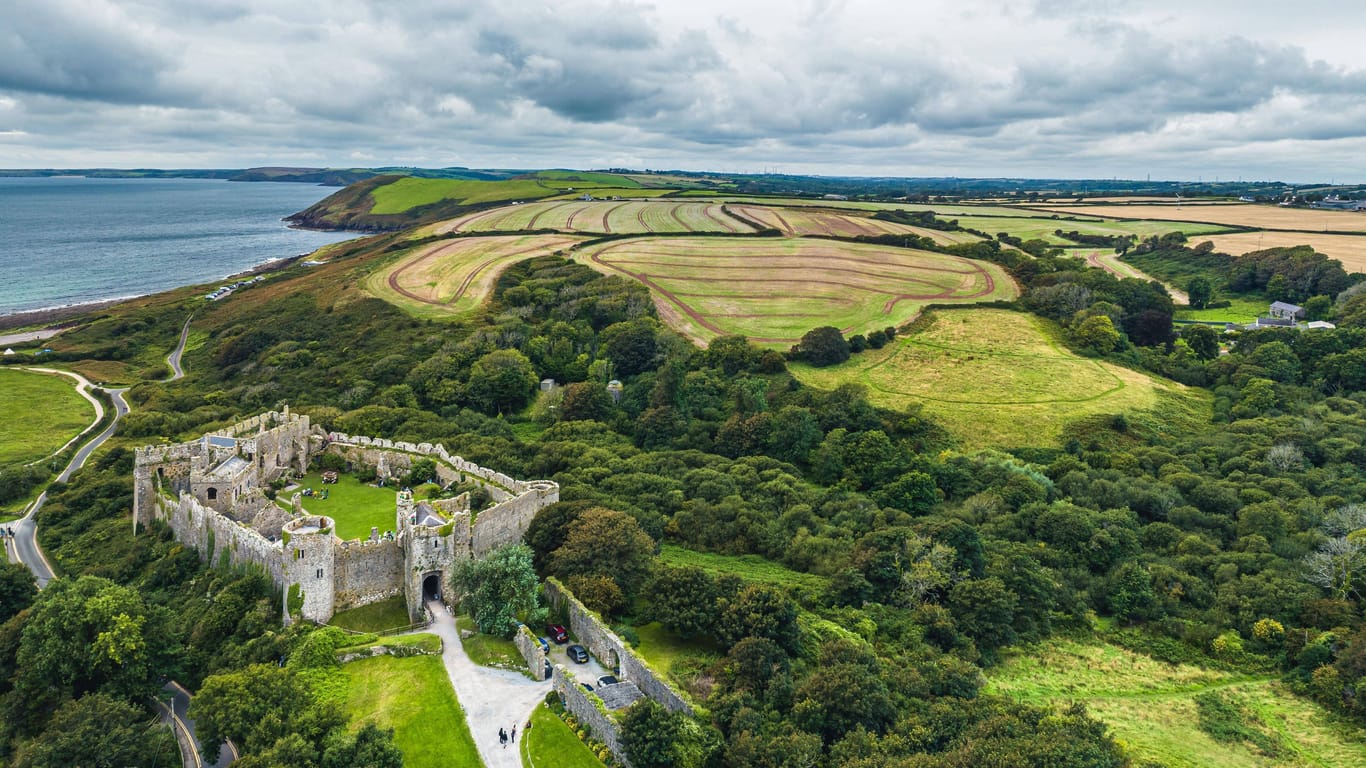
x=578 y=653
x=545 y=644
x=558 y=633
x=586 y=686
x=607 y=680
x=548 y=671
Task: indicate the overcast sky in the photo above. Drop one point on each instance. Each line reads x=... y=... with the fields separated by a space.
x=1059 y=88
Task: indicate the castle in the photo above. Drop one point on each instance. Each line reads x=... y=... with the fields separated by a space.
x=212 y=493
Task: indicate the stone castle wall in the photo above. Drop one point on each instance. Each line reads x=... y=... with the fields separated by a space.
x=585 y=710
x=211 y=534
x=367 y=572
x=532 y=653
x=310 y=565
x=612 y=650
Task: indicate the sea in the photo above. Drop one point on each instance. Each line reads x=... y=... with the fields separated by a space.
x=68 y=241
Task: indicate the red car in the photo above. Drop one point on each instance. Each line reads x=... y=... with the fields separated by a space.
x=558 y=633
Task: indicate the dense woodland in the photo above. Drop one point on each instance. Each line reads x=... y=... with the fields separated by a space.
x=1237 y=545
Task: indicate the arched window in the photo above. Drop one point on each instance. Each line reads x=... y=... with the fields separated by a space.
x=212 y=493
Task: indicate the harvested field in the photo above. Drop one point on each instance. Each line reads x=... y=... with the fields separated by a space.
x=1249 y=215
x=1348 y=249
x=806 y=221
x=455 y=276
x=1109 y=261
x=775 y=290
x=1043 y=227
x=600 y=217
x=996 y=378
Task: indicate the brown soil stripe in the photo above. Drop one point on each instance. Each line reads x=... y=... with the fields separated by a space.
x=826 y=258
x=673 y=213
x=394 y=276
x=640 y=219
x=461 y=224
x=532 y=224
x=812 y=268
x=607 y=228
x=709 y=212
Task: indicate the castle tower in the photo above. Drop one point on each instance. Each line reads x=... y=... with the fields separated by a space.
x=309 y=549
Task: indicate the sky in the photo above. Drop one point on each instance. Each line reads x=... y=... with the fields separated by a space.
x=1188 y=90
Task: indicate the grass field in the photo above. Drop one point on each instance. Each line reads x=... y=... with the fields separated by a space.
x=600 y=217
x=1108 y=260
x=1348 y=249
x=453 y=277
x=353 y=505
x=1043 y=227
x=39 y=413
x=774 y=290
x=487 y=650
x=1150 y=706
x=666 y=652
x=803 y=221
x=408 y=192
x=1248 y=215
x=413 y=696
x=1241 y=310
x=550 y=744
x=375 y=617
x=1000 y=378
x=752 y=568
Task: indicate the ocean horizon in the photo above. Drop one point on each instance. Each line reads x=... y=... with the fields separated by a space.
x=71 y=241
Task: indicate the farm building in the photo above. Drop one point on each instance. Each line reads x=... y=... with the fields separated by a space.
x=1287 y=311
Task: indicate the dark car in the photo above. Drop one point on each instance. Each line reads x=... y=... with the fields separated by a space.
x=578 y=653
x=558 y=633
x=548 y=671
x=545 y=644
x=586 y=686
x=606 y=680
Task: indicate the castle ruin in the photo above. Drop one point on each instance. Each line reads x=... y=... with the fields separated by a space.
x=211 y=492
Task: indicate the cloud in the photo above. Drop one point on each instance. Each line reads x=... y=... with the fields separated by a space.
x=929 y=88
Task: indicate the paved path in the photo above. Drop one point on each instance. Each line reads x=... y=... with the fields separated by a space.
x=83 y=387
x=179 y=706
x=20 y=338
x=173 y=359
x=491 y=698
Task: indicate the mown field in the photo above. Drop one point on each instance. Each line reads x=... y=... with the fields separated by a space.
x=1348 y=249
x=600 y=217
x=1152 y=708
x=354 y=506
x=413 y=696
x=39 y=413
x=1043 y=227
x=1248 y=215
x=1000 y=378
x=804 y=221
x=774 y=290
x=452 y=277
x=408 y=193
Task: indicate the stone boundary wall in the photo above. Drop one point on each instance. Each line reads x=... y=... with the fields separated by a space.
x=270 y=419
x=582 y=706
x=193 y=523
x=530 y=647
x=398 y=651
x=366 y=572
x=606 y=646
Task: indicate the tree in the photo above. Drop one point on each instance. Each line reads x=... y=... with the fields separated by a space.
x=1097 y=335
x=1202 y=339
x=371 y=747
x=255 y=707
x=757 y=611
x=97 y=730
x=1200 y=291
x=630 y=345
x=913 y=492
x=1150 y=328
x=650 y=735
x=823 y=346
x=683 y=600
x=1337 y=566
x=502 y=381
x=494 y=590
x=985 y=611
x=550 y=527
x=585 y=401
x=17 y=589
x=605 y=542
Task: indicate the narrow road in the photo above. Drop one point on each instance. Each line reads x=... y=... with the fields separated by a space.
x=179 y=717
x=491 y=698
x=83 y=387
x=173 y=359
x=26 y=549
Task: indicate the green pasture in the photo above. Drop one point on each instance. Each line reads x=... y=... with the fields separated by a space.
x=751 y=568
x=354 y=506
x=600 y=217
x=1150 y=707
x=996 y=378
x=408 y=193
x=375 y=617
x=1241 y=309
x=39 y=413
x=667 y=653
x=413 y=696
x=586 y=179
x=549 y=743
x=773 y=290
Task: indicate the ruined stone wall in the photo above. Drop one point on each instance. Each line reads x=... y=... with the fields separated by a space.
x=611 y=650
x=366 y=572
x=500 y=486
x=211 y=534
x=581 y=705
x=309 y=566
x=507 y=521
x=530 y=647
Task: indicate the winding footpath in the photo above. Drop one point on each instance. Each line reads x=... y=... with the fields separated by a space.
x=491 y=698
x=173 y=359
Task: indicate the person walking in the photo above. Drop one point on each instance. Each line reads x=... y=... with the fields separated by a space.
x=503 y=737
x=514 y=733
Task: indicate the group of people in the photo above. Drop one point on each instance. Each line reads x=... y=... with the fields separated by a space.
x=6 y=532
x=504 y=738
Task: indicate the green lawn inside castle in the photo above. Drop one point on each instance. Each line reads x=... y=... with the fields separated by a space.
x=354 y=506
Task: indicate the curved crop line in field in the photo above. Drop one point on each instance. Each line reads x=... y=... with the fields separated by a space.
x=782 y=223
x=464 y=285
x=810 y=268
x=973 y=268
x=708 y=211
x=640 y=219
x=830 y=297
x=532 y=224
x=607 y=228
x=459 y=225
x=569 y=222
